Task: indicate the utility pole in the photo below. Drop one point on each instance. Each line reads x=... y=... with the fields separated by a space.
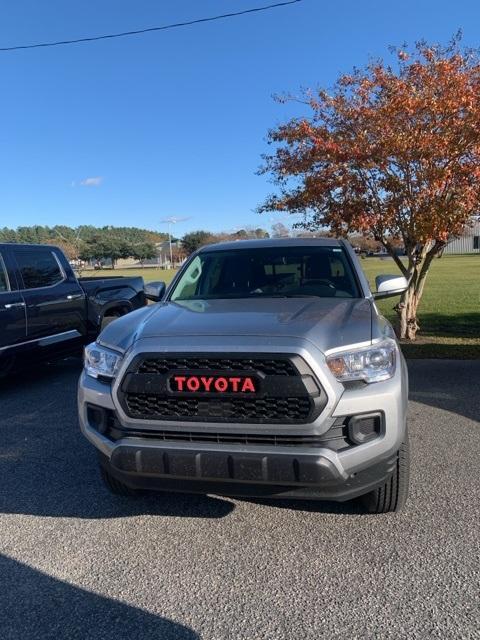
x=170 y=241
x=172 y=220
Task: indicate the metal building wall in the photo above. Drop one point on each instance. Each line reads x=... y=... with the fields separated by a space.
x=465 y=243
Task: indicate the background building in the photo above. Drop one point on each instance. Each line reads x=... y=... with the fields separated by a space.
x=468 y=242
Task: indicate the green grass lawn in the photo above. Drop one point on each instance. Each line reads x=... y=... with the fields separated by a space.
x=149 y=274
x=449 y=312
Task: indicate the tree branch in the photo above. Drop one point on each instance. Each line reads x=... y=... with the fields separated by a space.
x=396 y=258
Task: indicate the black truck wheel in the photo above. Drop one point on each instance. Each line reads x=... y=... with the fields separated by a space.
x=106 y=320
x=7 y=364
x=115 y=486
x=392 y=496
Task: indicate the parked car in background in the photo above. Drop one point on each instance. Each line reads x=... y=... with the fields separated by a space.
x=46 y=312
x=266 y=369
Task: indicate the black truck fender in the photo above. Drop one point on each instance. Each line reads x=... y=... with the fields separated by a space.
x=114 y=310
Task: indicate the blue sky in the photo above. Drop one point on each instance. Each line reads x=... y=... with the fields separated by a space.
x=134 y=130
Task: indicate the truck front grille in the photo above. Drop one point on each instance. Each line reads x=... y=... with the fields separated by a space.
x=273 y=367
x=232 y=410
x=289 y=392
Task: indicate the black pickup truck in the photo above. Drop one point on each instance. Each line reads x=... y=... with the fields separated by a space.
x=46 y=312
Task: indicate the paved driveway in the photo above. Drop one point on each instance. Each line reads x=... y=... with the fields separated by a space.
x=79 y=563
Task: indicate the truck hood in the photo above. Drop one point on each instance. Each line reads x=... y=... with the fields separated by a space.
x=327 y=322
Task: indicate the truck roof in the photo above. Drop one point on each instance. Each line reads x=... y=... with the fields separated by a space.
x=272 y=242
x=28 y=245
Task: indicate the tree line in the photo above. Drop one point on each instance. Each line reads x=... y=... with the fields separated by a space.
x=96 y=244
x=195 y=239
x=90 y=243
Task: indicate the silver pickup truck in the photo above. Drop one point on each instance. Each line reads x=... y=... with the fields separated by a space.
x=265 y=369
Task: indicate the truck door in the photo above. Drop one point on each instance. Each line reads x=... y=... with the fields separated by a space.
x=55 y=302
x=13 y=326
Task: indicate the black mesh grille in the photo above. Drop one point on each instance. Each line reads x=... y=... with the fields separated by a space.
x=287 y=391
x=275 y=367
x=233 y=409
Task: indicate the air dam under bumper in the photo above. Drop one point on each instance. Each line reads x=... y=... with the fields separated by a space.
x=228 y=472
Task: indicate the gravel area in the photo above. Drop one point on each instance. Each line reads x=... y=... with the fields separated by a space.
x=77 y=562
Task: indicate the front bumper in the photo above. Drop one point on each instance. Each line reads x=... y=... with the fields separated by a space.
x=261 y=470
x=230 y=472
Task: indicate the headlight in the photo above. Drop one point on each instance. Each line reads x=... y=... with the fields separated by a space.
x=100 y=362
x=371 y=364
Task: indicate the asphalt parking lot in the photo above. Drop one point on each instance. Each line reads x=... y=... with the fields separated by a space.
x=79 y=563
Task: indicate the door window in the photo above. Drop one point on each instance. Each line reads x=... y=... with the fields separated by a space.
x=38 y=268
x=4 y=286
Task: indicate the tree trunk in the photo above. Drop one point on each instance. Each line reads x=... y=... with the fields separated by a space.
x=418 y=266
x=407 y=325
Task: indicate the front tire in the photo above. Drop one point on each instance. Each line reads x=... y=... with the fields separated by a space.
x=115 y=486
x=392 y=495
x=7 y=364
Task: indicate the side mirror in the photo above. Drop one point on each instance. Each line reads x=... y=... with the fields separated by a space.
x=155 y=291
x=388 y=286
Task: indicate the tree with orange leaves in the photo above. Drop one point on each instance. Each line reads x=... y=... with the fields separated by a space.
x=393 y=152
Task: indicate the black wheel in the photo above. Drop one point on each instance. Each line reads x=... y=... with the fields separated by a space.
x=115 y=486
x=7 y=364
x=392 y=496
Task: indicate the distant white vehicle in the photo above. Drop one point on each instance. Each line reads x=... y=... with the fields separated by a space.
x=76 y=264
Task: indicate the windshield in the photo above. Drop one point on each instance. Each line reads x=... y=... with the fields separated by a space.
x=323 y=272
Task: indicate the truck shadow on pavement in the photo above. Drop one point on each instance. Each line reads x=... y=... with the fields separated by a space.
x=49 y=469
x=349 y=508
x=36 y=605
